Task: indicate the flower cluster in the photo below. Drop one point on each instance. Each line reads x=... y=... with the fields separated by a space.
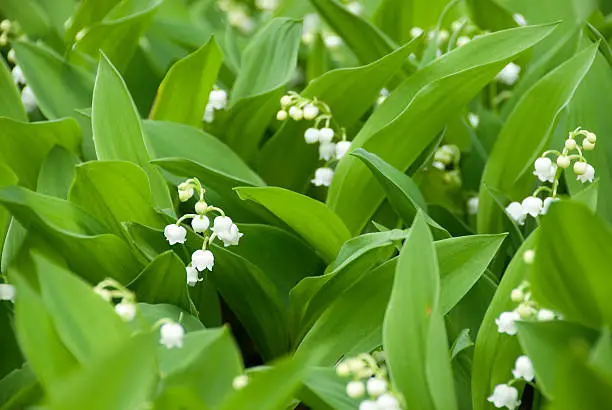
x=7 y=292
x=300 y=108
x=223 y=229
x=8 y=29
x=27 y=95
x=505 y=395
x=171 y=333
x=312 y=25
x=238 y=15
x=446 y=159
x=548 y=170
x=217 y=100
x=368 y=381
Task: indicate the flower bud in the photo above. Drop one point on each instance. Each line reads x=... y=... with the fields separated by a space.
x=201 y=207
x=296 y=113
x=281 y=115
x=326 y=134
x=310 y=112
x=240 y=382
x=525 y=311
x=580 y=167
x=588 y=146
x=570 y=144
x=517 y=295
x=545 y=315
x=591 y=137
x=563 y=161
x=185 y=194
x=286 y=100
x=6 y=25
x=529 y=256
x=311 y=136
x=343 y=370
x=11 y=56
x=355 y=389
x=376 y=386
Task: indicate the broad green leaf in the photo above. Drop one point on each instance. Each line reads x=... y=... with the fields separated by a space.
x=57 y=173
x=118 y=131
x=83 y=241
x=269 y=60
x=547 y=343
x=401 y=191
x=489 y=14
x=124 y=380
x=117 y=37
x=285 y=376
x=526 y=134
x=361 y=85
x=495 y=353
x=311 y=219
x=88 y=12
x=421 y=373
x=163 y=281
x=7 y=178
x=20 y=388
x=324 y=389
x=462 y=342
x=206 y=365
x=90 y=331
x=179 y=147
x=422 y=104
x=38 y=338
x=318 y=59
x=574 y=240
x=364 y=39
x=183 y=94
x=25 y=145
x=10 y=99
x=116 y=192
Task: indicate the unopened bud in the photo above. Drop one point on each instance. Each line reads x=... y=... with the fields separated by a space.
x=570 y=144
x=201 y=207
x=563 y=161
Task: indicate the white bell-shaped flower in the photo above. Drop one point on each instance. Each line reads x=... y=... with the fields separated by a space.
x=310 y=112
x=326 y=135
x=547 y=202
x=7 y=292
x=192 y=275
x=343 y=370
x=217 y=99
x=286 y=101
x=342 y=148
x=28 y=99
x=332 y=41
x=516 y=212
x=519 y=19
x=281 y=115
x=126 y=310
x=355 y=7
x=545 y=315
x=323 y=177
x=209 y=114
x=18 y=76
x=588 y=176
x=327 y=150
x=376 y=386
x=532 y=205
x=203 y=259
x=311 y=136
x=545 y=170
x=368 y=405
x=472 y=205
x=200 y=223
x=506 y=323
x=171 y=335
x=185 y=194
x=175 y=234
x=222 y=223
x=509 y=74
x=523 y=369
x=230 y=237
x=296 y=113
x=387 y=402
x=504 y=396
x=355 y=389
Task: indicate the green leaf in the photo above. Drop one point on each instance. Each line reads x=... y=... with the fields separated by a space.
x=10 y=99
x=90 y=331
x=526 y=134
x=311 y=219
x=489 y=14
x=495 y=353
x=547 y=344
x=574 y=240
x=163 y=281
x=364 y=39
x=269 y=60
x=19 y=389
x=187 y=151
x=117 y=36
x=7 y=178
x=462 y=342
x=422 y=373
x=39 y=340
x=118 y=132
x=324 y=389
x=124 y=380
x=422 y=104
x=601 y=354
x=26 y=145
x=206 y=365
x=99 y=184
x=360 y=85
x=285 y=376
x=57 y=173
x=401 y=191
x=183 y=94
x=88 y=12
x=153 y=313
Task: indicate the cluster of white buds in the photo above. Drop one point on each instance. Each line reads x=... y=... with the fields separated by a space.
x=527 y=309
x=223 y=229
x=312 y=25
x=368 y=381
x=112 y=291
x=505 y=395
x=217 y=100
x=238 y=15
x=446 y=159
x=7 y=292
x=8 y=29
x=27 y=95
x=300 y=108
x=548 y=170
